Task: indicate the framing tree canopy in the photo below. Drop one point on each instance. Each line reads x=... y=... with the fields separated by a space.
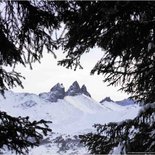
x=125 y=30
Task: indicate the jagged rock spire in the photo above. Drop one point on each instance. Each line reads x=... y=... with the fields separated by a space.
x=58 y=87
x=74 y=89
x=84 y=91
x=56 y=92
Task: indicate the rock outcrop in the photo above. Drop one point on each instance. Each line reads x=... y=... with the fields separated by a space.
x=58 y=92
x=75 y=89
x=108 y=99
x=84 y=91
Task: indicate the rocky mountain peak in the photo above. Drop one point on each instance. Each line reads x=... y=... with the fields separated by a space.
x=75 y=85
x=74 y=89
x=84 y=91
x=56 y=92
x=108 y=99
x=57 y=87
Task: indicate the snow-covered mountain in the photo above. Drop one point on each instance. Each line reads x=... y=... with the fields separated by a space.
x=125 y=102
x=72 y=112
x=108 y=99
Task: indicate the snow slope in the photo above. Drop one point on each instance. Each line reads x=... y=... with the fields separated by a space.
x=72 y=115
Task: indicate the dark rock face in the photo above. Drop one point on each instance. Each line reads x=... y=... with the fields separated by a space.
x=108 y=99
x=126 y=102
x=56 y=92
x=74 y=89
x=84 y=91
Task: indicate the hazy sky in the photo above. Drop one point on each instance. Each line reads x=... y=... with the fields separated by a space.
x=48 y=73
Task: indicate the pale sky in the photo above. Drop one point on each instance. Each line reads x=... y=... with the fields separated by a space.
x=46 y=74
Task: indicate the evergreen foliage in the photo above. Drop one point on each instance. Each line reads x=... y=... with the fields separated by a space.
x=25 y=30
x=18 y=133
x=132 y=135
x=125 y=30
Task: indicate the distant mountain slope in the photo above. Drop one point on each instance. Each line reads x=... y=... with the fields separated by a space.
x=123 y=102
x=126 y=102
x=108 y=99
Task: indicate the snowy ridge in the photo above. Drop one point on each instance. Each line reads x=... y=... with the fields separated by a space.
x=125 y=102
x=71 y=115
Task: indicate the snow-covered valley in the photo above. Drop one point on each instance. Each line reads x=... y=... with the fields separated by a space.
x=73 y=112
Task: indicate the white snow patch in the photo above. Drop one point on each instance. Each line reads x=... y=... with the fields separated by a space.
x=72 y=115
